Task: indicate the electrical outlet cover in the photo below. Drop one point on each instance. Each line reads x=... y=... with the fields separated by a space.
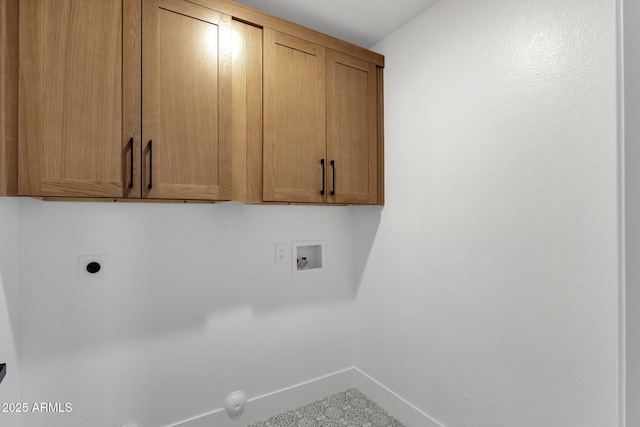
x=85 y=260
x=282 y=253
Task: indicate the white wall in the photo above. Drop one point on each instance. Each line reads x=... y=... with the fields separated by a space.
x=632 y=207
x=193 y=308
x=9 y=306
x=485 y=292
x=490 y=296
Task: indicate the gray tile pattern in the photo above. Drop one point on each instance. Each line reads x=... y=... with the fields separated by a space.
x=348 y=408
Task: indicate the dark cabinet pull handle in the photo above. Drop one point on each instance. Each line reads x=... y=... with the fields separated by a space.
x=333 y=179
x=150 y=186
x=322 y=163
x=131 y=168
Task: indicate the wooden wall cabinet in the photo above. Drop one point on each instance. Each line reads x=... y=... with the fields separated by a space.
x=295 y=134
x=186 y=101
x=81 y=96
x=192 y=100
x=9 y=98
x=352 y=130
x=247 y=117
x=320 y=124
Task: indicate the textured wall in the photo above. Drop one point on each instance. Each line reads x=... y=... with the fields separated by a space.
x=490 y=296
x=193 y=307
x=486 y=288
x=632 y=206
x=9 y=307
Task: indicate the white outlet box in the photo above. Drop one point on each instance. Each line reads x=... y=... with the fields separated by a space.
x=282 y=253
x=87 y=263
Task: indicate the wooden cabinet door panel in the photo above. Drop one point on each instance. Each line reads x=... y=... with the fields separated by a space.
x=74 y=126
x=186 y=101
x=247 y=112
x=352 y=129
x=9 y=18
x=294 y=119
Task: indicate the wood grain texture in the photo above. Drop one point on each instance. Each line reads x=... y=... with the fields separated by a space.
x=239 y=114
x=29 y=99
x=380 y=103
x=9 y=98
x=259 y=18
x=122 y=200
x=80 y=101
x=132 y=102
x=71 y=105
x=254 y=115
x=352 y=129
x=247 y=113
x=294 y=119
x=186 y=101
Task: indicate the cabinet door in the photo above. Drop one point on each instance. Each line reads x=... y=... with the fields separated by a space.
x=247 y=113
x=186 y=92
x=79 y=93
x=9 y=97
x=294 y=119
x=351 y=129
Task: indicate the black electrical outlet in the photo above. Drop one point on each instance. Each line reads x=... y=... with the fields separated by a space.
x=93 y=267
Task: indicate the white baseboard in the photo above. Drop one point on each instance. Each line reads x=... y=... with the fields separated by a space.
x=395 y=405
x=262 y=407
x=265 y=406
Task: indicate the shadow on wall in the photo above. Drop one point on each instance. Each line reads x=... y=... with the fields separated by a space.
x=174 y=268
x=9 y=299
x=366 y=224
x=8 y=340
x=192 y=305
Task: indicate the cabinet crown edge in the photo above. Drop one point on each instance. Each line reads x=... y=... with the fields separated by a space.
x=259 y=18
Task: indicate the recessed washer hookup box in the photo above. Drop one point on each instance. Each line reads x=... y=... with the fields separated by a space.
x=308 y=257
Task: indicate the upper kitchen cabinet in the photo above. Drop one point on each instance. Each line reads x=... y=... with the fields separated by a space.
x=186 y=101
x=247 y=112
x=200 y=100
x=93 y=71
x=79 y=98
x=9 y=98
x=320 y=124
x=352 y=130
x=295 y=132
